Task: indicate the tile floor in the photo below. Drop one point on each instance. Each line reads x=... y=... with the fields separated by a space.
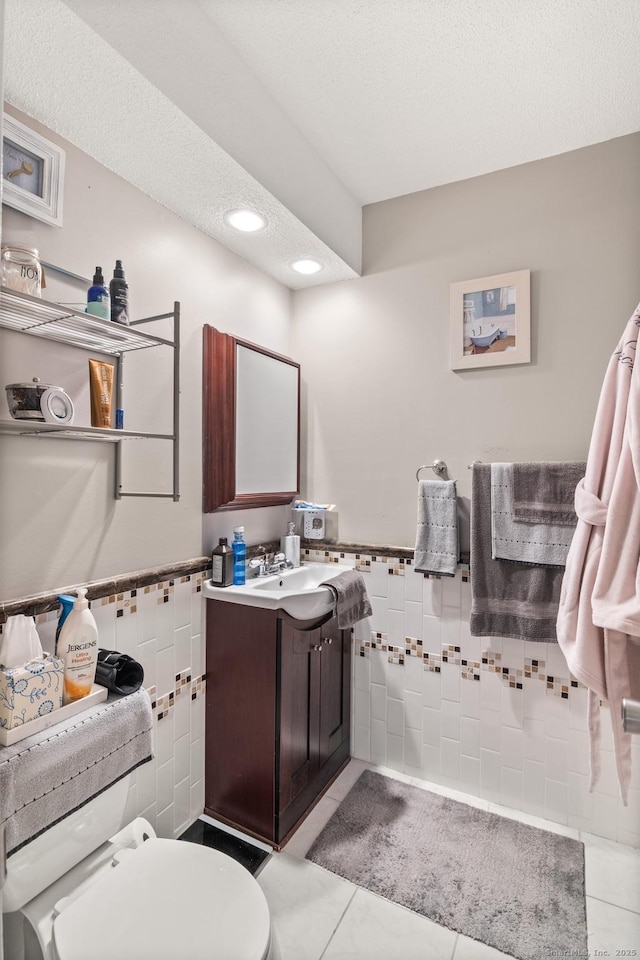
x=319 y=916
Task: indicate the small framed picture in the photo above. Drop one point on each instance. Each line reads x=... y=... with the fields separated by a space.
x=490 y=322
x=32 y=172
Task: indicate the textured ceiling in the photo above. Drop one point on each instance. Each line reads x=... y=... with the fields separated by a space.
x=308 y=109
x=400 y=95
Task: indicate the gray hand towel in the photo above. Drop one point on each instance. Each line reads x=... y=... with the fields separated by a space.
x=350 y=595
x=511 y=539
x=52 y=773
x=437 y=534
x=508 y=599
x=544 y=492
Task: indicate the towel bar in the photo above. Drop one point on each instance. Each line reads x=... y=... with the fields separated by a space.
x=438 y=466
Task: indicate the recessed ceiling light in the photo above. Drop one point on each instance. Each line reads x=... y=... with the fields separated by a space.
x=306 y=266
x=246 y=220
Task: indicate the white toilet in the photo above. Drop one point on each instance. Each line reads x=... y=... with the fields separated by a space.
x=87 y=889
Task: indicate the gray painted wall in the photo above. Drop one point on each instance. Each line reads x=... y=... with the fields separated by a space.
x=380 y=398
x=60 y=524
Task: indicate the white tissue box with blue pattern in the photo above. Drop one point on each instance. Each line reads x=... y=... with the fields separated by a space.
x=31 y=690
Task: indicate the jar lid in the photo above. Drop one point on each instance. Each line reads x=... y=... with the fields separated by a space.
x=33 y=385
x=21 y=249
x=57 y=407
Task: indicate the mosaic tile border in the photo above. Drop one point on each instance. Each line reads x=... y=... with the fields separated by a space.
x=513 y=677
x=470 y=669
x=491 y=661
x=127 y=603
x=451 y=654
x=186 y=684
x=345 y=548
x=380 y=642
x=117 y=587
x=397 y=565
x=534 y=669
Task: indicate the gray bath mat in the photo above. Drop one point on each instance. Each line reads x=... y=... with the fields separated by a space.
x=514 y=887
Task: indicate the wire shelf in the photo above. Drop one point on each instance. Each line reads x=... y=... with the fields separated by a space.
x=72 y=432
x=53 y=321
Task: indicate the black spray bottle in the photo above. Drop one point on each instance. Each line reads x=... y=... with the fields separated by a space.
x=119 y=290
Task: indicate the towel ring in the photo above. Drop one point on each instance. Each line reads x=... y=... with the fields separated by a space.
x=438 y=466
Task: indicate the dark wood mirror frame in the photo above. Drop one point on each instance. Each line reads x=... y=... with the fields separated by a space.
x=219 y=426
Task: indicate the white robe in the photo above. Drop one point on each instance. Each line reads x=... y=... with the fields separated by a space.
x=598 y=623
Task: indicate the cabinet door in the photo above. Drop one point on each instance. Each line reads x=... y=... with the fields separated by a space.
x=299 y=686
x=240 y=716
x=335 y=688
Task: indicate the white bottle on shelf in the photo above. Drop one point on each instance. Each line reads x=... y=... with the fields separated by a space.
x=78 y=648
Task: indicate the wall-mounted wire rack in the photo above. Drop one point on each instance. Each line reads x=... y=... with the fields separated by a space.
x=31 y=315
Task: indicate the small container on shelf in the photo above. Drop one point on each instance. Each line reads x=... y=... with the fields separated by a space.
x=39 y=401
x=21 y=269
x=98 y=297
x=119 y=293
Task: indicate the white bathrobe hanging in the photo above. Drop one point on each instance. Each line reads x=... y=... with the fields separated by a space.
x=598 y=624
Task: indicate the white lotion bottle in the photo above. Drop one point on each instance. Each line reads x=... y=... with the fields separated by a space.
x=78 y=648
x=290 y=546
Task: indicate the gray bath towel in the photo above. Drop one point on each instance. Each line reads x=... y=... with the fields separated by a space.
x=437 y=548
x=544 y=492
x=52 y=773
x=511 y=539
x=508 y=599
x=350 y=594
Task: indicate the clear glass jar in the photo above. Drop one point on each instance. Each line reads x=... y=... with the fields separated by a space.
x=21 y=269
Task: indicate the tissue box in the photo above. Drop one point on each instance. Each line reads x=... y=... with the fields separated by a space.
x=30 y=691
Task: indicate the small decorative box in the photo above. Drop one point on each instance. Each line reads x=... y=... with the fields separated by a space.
x=31 y=690
x=314 y=524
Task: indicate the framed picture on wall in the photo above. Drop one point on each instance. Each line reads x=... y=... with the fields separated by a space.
x=490 y=322
x=32 y=172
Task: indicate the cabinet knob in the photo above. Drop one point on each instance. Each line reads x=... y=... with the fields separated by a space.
x=327 y=639
x=317 y=646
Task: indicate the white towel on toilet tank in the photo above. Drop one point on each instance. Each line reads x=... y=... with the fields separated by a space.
x=48 y=775
x=437 y=548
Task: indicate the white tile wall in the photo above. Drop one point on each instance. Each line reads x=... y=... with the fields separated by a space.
x=522 y=748
x=166 y=637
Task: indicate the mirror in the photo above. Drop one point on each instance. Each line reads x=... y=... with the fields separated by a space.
x=251 y=424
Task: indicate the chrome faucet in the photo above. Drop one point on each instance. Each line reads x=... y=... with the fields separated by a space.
x=269 y=564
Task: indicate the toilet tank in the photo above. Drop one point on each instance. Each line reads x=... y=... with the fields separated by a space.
x=46 y=858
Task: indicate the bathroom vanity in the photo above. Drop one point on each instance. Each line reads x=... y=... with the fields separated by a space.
x=277 y=715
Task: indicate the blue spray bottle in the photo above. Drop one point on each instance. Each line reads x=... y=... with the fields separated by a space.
x=98 y=298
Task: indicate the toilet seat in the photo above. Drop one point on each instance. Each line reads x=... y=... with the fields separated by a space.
x=167 y=899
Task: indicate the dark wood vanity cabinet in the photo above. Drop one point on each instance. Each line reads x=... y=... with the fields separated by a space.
x=277 y=716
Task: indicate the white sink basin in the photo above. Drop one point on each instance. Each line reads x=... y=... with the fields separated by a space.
x=299 y=592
